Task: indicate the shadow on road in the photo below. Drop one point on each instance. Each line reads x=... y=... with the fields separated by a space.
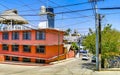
x=90 y=66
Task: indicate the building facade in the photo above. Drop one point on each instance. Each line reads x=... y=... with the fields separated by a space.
x=34 y=45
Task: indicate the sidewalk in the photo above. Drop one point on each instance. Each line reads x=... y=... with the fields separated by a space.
x=61 y=61
x=106 y=73
x=24 y=63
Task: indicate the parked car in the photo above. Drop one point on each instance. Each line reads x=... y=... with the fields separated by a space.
x=93 y=59
x=83 y=51
x=85 y=57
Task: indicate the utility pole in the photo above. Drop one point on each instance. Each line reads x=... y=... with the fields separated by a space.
x=98 y=35
x=96 y=29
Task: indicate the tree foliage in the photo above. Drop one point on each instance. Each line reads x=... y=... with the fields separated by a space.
x=110 y=42
x=67 y=32
x=75 y=46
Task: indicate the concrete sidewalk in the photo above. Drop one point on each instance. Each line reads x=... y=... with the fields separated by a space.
x=63 y=61
x=106 y=73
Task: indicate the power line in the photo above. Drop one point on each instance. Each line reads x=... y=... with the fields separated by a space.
x=64 y=8
x=4 y=6
x=54 y=7
x=25 y=4
x=110 y=8
x=74 y=24
x=55 y=13
x=33 y=9
x=71 y=5
x=73 y=11
x=67 y=18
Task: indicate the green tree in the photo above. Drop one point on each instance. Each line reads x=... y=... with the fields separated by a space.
x=75 y=46
x=110 y=42
x=67 y=32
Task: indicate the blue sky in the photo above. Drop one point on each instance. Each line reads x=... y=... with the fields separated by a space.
x=81 y=24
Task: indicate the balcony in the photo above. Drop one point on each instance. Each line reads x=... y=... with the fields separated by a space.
x=14 y=27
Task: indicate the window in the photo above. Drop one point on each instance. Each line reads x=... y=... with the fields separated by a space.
x=26 y=48
x=40 y=61
x=5 y=35
x=40 y=49
x=5 y=47
x=40 y=35
x=26 y=35
x=15 y=59
x=7 y=57
x=15 y=48
x=26 y=60
x=15 y=35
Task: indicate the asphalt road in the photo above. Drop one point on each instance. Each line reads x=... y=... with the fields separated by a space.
x=74 y=66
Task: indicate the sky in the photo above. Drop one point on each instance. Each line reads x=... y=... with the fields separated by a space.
x=80 y=21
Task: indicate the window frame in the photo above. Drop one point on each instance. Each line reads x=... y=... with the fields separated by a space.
x=29 y=50
x=38 y=35
x=7 y=58
x=26 y=35
x=15 y=49
x=41 y=61
x=4 y=36
x=39 y=50
x=26 y=59
x=14 y=37
x=14 y=58
x=4 y=48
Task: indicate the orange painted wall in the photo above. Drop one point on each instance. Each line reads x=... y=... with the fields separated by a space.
x=70 y=54
x=2 y=58
x=50 y=51
x=50 y=42
x=51 y=38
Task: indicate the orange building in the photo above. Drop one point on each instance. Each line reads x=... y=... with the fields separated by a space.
x=40 y=46
x=19 y=42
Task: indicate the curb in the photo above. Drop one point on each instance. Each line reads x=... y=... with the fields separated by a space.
x=61 y=61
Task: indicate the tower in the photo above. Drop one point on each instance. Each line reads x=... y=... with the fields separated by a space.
x=46 y=17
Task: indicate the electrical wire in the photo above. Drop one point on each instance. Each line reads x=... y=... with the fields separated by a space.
x=67 y=18
x=63 y=8
x=26 y=5
x=74 y=24
x=70 y=5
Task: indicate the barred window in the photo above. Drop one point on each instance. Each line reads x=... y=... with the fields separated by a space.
x=15 y=48
x=40 y=49
x=26 y=48
x=15 y=35
x=5 y=47
x=40 y=35
x=5 y=35
x=26 y=35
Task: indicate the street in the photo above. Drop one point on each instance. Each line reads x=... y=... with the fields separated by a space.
x=74 y=66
